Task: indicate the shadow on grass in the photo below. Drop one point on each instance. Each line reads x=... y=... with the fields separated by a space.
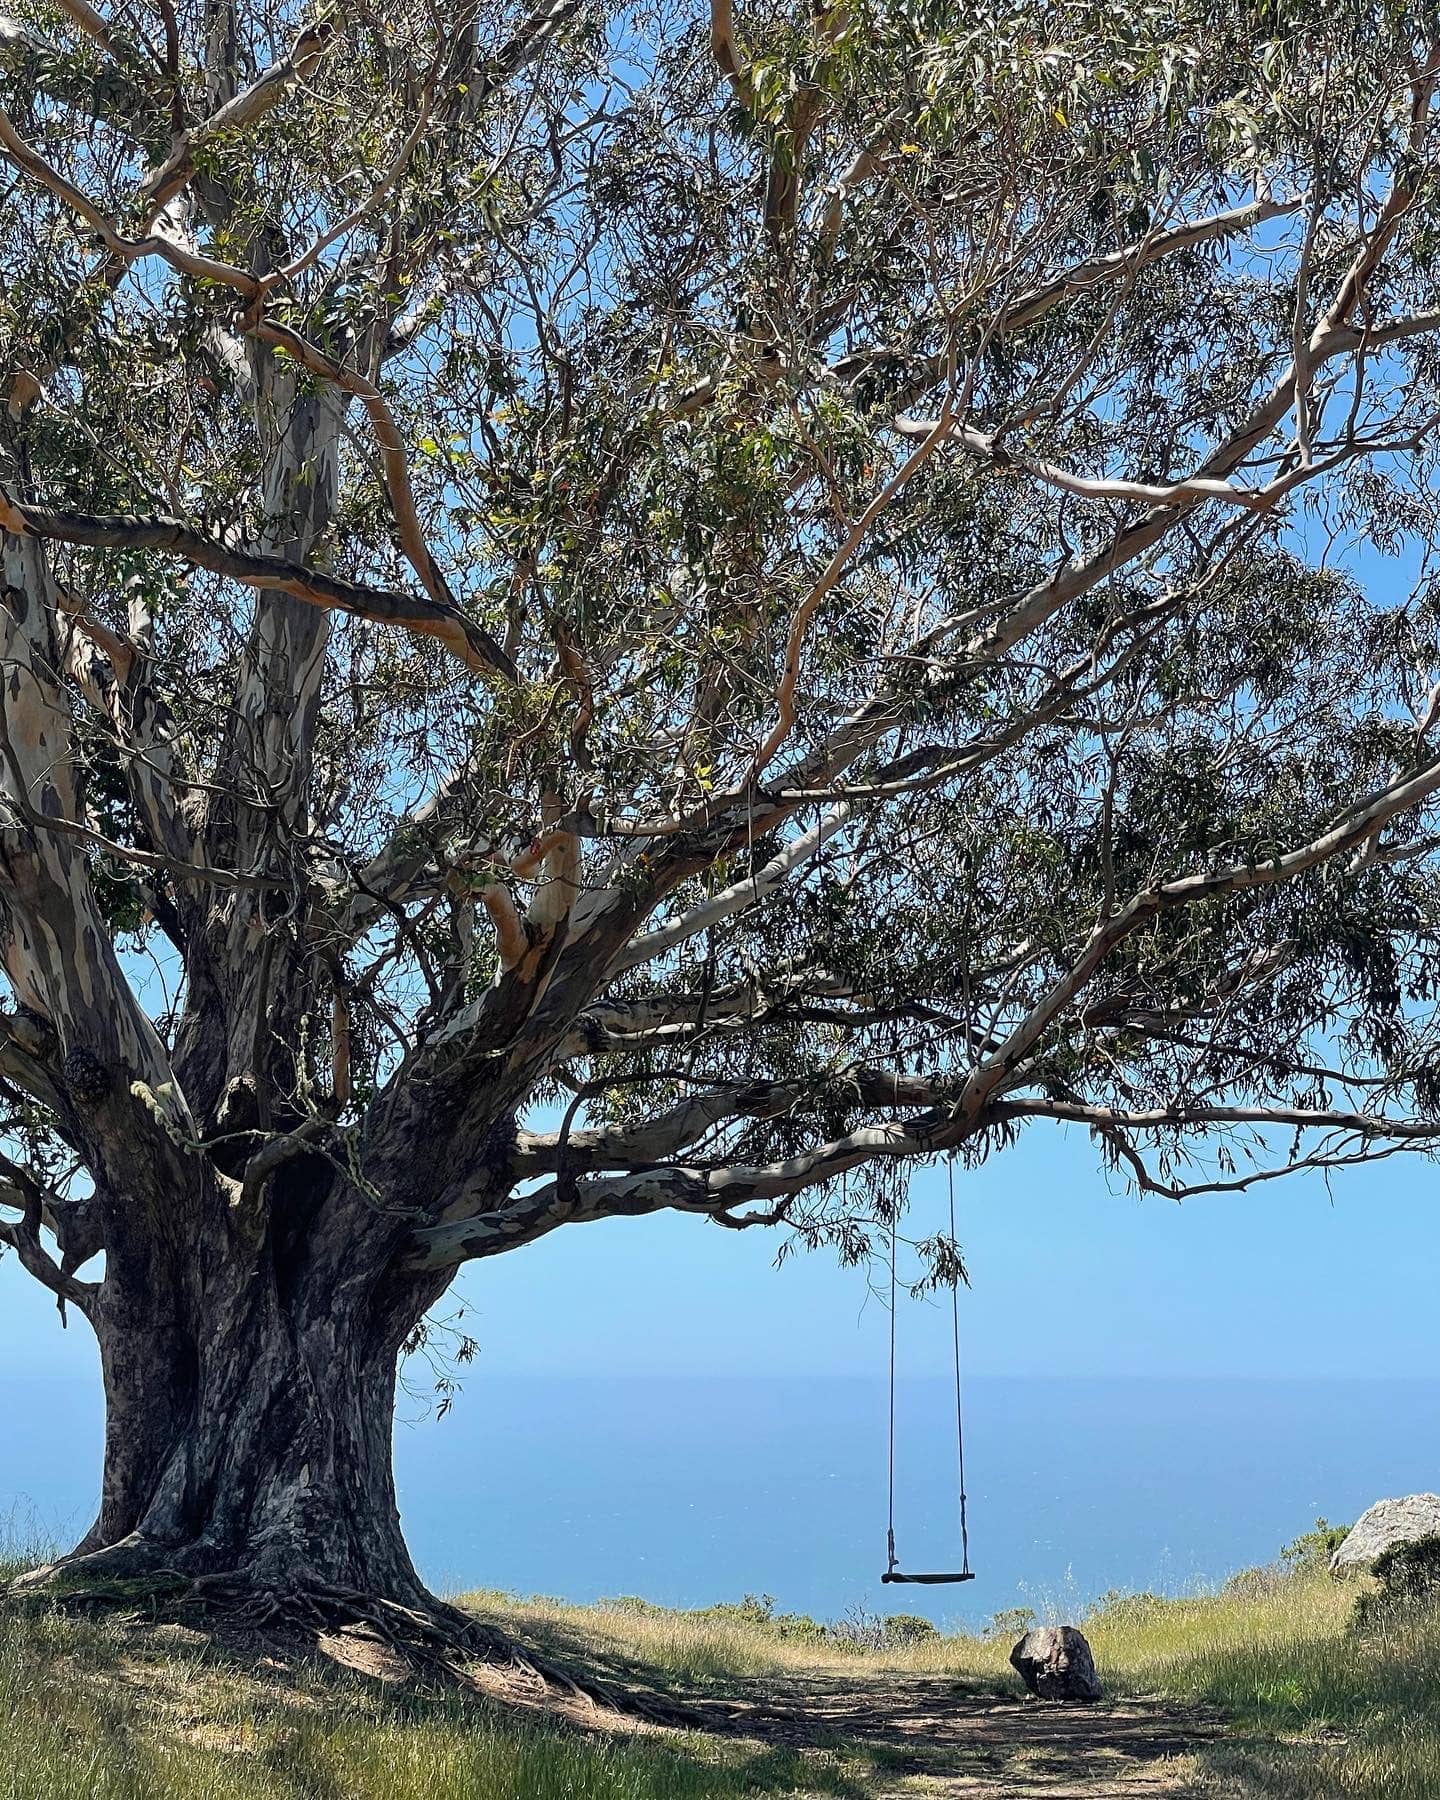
x=175 y=1712
x=165 y=1704
x=1338 y=1715
x=695 y=1676
x=902 y=1724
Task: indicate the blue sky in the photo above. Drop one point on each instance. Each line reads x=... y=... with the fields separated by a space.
x=1070 y=1271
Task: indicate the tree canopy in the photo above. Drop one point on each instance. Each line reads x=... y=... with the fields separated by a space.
x=807 y=589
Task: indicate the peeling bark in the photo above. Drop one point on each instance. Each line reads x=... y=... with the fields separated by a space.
x=250 y=1405
x=250 y=979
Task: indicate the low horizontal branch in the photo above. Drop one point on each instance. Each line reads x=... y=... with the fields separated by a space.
x=713 y=1190
x=123 y=531
x=649 y=1141
x=717 y=1190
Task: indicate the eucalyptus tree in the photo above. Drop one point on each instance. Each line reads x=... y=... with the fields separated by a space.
x=789 y=592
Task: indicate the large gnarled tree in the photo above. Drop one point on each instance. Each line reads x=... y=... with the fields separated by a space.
x=797 y=592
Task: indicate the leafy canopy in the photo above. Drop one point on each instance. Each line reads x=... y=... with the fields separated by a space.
x=814 y=587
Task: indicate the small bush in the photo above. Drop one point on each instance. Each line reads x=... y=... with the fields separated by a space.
x=633 y=1604
x=1011 y=1622
x=1313 y=1549
x=1409 y=1577
x=860 y=1629
x=798 y=1628
x=757 y=1609
x=1116 y=1606
x=750 y=1609
x=906 y=1628
x=1257 y=1584
x=756 y=1612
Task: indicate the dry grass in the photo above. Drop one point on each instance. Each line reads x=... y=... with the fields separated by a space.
x=1322 y=1711
x=108 y=1712
x=98 y=1709
x=1317 y=1710
x=732 y=1643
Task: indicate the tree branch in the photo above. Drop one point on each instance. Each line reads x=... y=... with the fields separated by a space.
x=1356 y=826
x=461 y=636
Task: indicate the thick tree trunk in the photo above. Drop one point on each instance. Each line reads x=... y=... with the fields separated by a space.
x=249 y=1421
x=270 y=1460
x=248 y=1453
x=262 y=1453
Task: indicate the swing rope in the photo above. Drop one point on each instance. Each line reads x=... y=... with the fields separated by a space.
x=959 y=1398
x=890 y=1534
x=965 y=1573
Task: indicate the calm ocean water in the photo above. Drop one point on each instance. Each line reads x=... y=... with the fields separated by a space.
x=689 y=1491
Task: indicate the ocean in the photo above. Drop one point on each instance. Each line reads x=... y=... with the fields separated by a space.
x=690 y=1490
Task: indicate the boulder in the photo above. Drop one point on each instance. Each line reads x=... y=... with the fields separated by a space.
x=1055 y=1663
x=1383 y=1526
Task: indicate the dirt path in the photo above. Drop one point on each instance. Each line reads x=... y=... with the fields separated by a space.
x=883 y=1736
x=939 y=1741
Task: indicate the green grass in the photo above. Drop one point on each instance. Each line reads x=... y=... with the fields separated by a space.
x=102 y=1710
x=1315 y=1710
x=90 y=1710
x=1320 y=1710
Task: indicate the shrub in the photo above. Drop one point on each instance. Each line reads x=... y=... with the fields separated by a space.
x=756 y=1612
x=1409 y=1577
x=632 y=1603
x=858 y=1630
x=751 y=1609
x=906 y=1628
x=799 y=1628
x=1258 y=1584
x=1010 y=1622
x=1117 y=1606
x=1313 y=1549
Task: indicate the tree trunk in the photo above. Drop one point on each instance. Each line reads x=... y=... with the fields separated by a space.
x=249 y=1416
x=248 y=1443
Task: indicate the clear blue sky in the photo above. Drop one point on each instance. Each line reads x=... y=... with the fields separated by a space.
x=1069 y=1271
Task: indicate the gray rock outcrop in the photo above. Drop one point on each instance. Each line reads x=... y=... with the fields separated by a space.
x=1384 y=1525
x=1055 y=1663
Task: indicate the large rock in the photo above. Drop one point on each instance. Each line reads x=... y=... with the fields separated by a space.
x=1383 y=1526
x=1055 y=1664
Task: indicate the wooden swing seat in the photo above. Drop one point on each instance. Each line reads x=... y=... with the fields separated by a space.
x=929 y=1580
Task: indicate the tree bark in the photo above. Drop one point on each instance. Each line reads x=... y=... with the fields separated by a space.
x=250 y=1408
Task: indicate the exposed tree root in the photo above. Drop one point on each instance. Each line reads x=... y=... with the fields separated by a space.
x=435 y=1643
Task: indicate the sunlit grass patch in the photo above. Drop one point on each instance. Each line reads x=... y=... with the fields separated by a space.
x=1319 y=1709
x=738 y=1642
x=87 y=1715
x=1244 y=1646
x=1316 y=1708
x=23 y=1543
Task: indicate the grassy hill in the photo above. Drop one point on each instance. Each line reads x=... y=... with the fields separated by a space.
x=1264 y=1688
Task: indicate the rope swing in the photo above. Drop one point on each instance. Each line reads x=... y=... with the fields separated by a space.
x=893 y=1572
